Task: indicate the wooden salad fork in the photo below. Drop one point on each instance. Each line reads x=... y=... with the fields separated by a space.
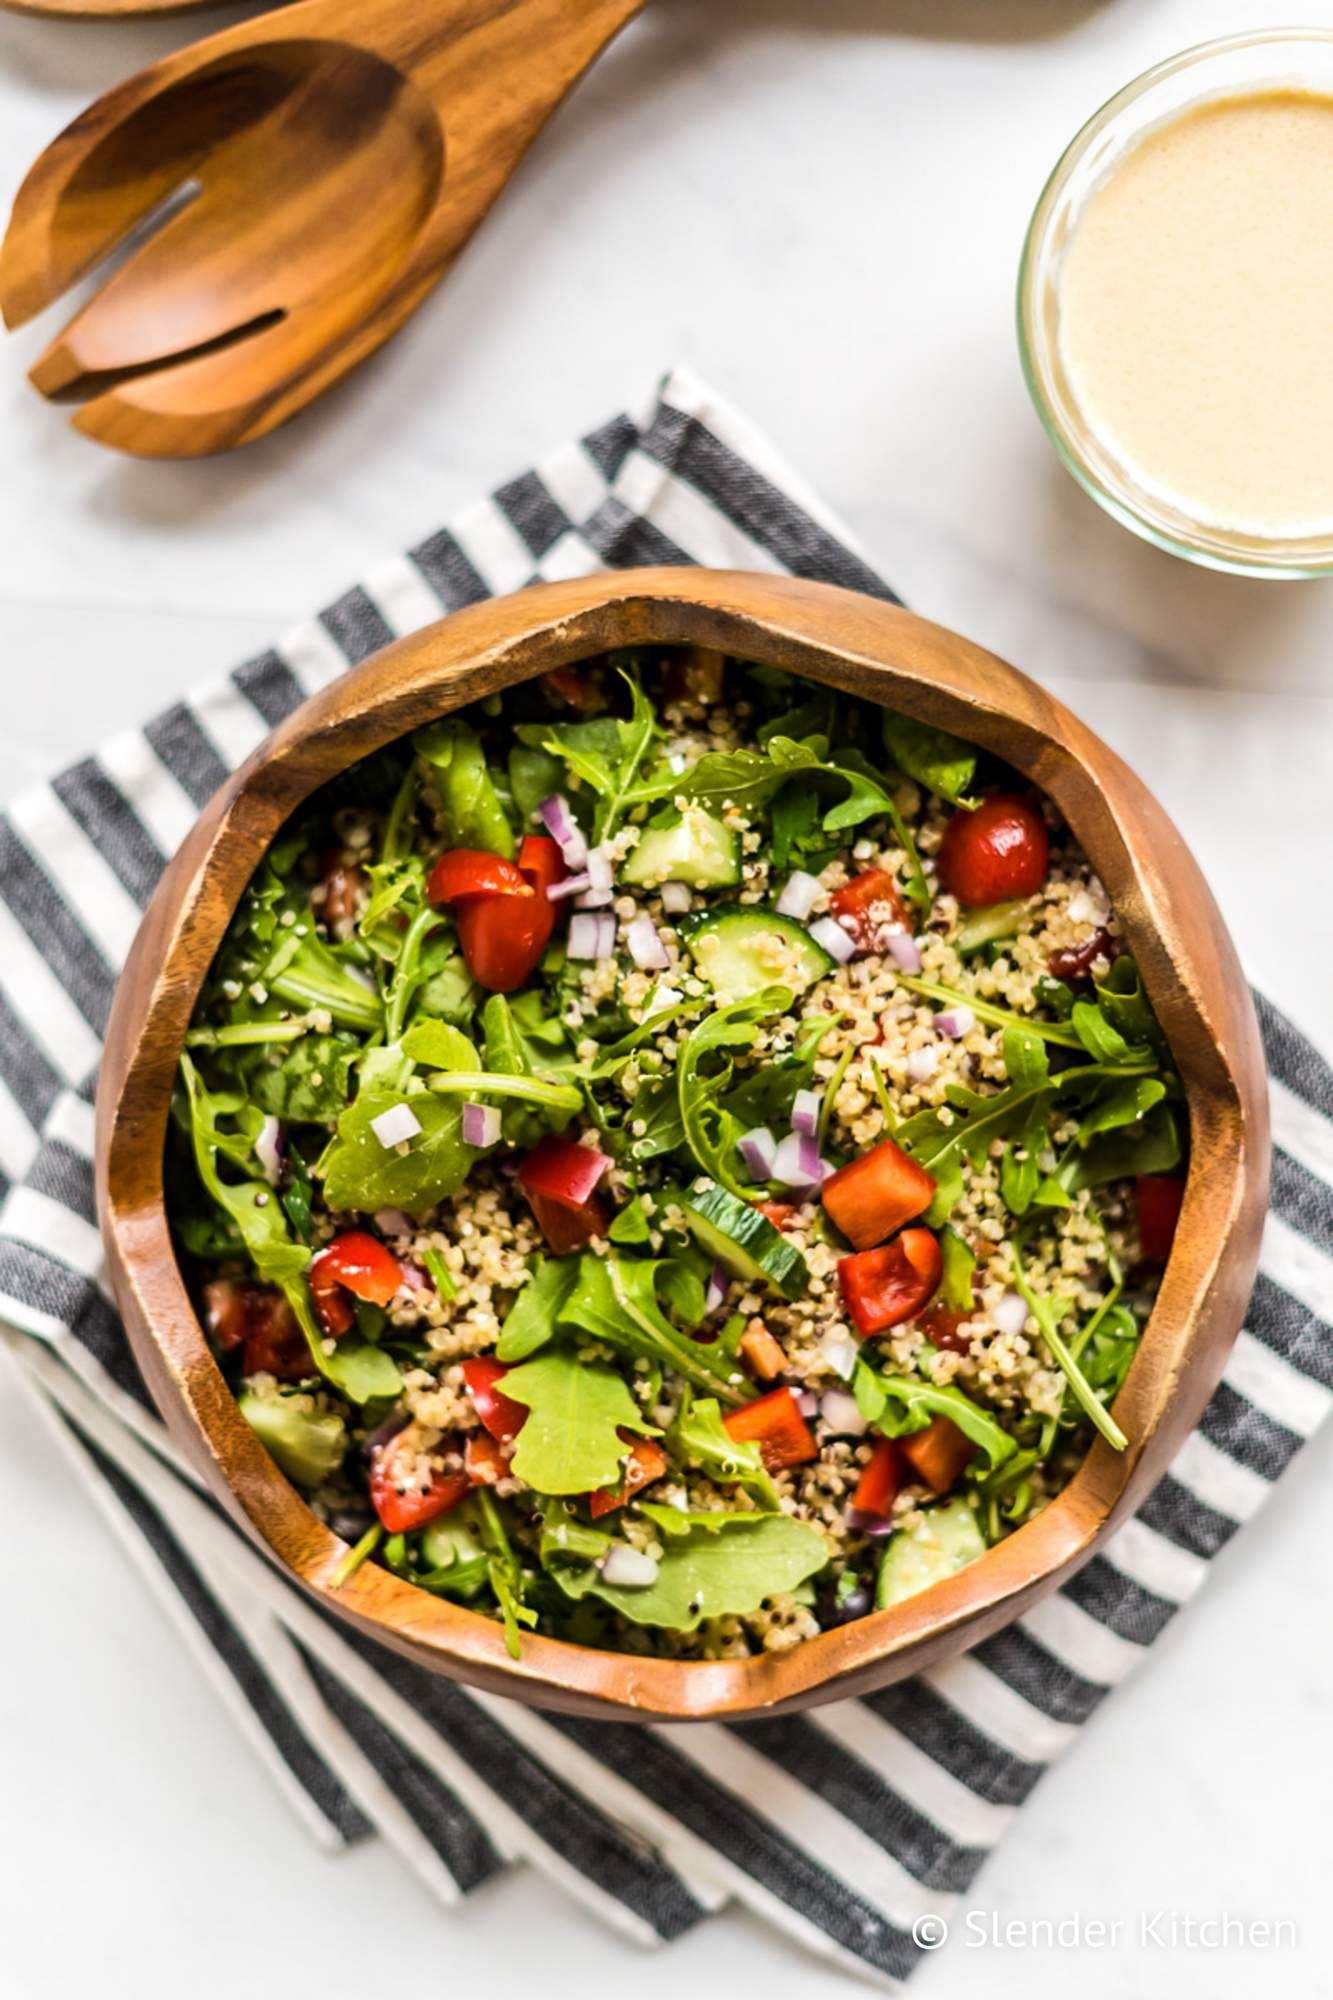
x=298 y=183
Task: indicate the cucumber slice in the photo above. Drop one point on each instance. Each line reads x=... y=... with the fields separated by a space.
x=988 y=926
x=697 y=850
x=745 y=1242
x=948 y=1540
x=740 y=951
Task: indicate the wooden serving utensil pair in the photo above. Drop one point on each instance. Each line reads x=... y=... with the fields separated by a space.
x=312 y=173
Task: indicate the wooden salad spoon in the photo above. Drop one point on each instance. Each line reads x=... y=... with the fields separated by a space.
x=312 y=173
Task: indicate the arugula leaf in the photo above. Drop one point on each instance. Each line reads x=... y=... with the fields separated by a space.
x=314 y=977
x=309 y=1086
x=534 y=775
x=469 y=802
x=1125 y=1004
x=523 y=1123
x=1103 y=1042
x=1048 y=1315
x=605 y=753
x=361 y=1370
x=252 y=1205
x=1152 y=1148
x=709 y=1131
x=532 y=1319
x=700 y=1441
x=748 y=778
x=1060 y=1033
x=505 y=1572
x=1015 y=1113
x=571 y=1441
x=630 y=1225
x=460 y=1074
x=1124 y=1104
x=360 y=1173
x=712 y=1566
x=899 y=1404
x=944 y=764
x=615 y=1300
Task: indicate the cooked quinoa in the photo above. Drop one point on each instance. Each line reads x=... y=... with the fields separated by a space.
x=675 y=1158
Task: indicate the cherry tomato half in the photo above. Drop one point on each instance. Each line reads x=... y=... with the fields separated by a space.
x=354 y=1262
x=995 y=854
x=869 y=906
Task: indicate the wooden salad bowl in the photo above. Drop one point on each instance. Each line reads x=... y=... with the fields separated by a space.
x=871 y=649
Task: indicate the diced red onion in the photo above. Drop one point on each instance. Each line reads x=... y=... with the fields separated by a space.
x=600 y=890
x=675 y=898
x=955 y=1022
x=903 y=949
x=876 y=1526
x=481 y=1125
x=415 y=1278
x=626 y=1568
x=717 y=1288
x=797 y=1163
x=840 y=1351
x=591 y=936
x=1010 y=1313
x=393 y=1222
x=805 y=1113
x=558 y=819
x=645 y=946
x=268 y=1149
x=799 y=895
x=662 y=997
x=841 y=1413
x=923 y=1063
x=396 y=1125
x=573 y=885
x=807 y=1402
x=830 y=933
x=758 y=1149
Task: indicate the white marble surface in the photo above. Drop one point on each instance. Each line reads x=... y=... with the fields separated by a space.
x=819 y=204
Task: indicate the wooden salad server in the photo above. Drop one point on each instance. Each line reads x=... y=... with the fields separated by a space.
x=298 y=183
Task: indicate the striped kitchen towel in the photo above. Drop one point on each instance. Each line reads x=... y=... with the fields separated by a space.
x=846 y=1826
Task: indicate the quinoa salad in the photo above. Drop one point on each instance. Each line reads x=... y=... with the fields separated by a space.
x=675 y=1158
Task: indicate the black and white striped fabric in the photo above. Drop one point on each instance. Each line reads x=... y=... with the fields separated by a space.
x=844 y=1826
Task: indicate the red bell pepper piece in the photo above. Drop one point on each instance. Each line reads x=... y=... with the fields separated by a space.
x=400 y=1501
x=871 y=1197
x=354 y=1262
x=937 y=1454
x=880 y=1482
x=996 y=853
x=484 y=1459
x=775 y=1424
x=1157 y=1203
x=882 y=1288
x=560 y=1179
x=470 y=871
x=780 y=1213
x=503 y=1418
x=868 y=907
x=646 y=1462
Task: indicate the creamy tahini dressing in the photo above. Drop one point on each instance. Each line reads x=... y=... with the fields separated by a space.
x=1196 y=313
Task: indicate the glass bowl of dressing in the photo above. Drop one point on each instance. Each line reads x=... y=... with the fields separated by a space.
x=1175 y=304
